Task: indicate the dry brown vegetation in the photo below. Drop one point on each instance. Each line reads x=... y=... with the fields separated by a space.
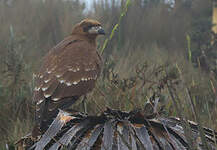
x=149 y=54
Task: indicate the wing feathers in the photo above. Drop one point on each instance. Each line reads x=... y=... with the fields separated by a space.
x=79 y=89
x=52 y=87
x=74 y=71
x=38 y=96
x=68 y=71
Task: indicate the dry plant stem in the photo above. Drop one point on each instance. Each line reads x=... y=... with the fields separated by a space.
x=195 y=112
x=183 y=122
x=202 y=134
x=213 y=132
x=103 y=95
x=213 y=89
x=133 y=94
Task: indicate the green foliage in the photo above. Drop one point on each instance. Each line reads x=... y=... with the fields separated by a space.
x=189 y=47
x=123 y=13
x=15 y=89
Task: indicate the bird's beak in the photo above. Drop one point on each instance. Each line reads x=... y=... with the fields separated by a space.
x=96 y=30
x=101 y=31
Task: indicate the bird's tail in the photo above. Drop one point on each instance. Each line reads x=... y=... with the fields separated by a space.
x=47 y=111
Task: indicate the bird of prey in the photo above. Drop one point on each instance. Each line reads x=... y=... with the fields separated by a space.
x=69 y=70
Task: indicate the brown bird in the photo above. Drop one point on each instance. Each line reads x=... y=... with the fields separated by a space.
x=68 y=71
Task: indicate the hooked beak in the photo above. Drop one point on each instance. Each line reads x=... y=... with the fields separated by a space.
x=101 y=31
x=96 y=30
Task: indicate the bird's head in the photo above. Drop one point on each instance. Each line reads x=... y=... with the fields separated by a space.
x=88 y=27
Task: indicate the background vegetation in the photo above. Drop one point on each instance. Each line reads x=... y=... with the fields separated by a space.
x=161 y=49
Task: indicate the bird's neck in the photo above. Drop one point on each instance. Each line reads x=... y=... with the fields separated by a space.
x=90 y=38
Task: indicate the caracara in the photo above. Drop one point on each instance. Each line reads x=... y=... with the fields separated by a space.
x=68 y=71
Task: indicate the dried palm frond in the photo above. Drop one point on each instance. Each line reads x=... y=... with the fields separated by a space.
x=114 y=129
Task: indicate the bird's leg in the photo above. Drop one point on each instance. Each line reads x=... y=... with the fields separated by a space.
x=84 y=104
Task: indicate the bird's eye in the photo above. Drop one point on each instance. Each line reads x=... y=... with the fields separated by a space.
x=86 y=28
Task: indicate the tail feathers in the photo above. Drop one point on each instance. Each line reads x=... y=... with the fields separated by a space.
x=36 y=132
x=48 y=110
